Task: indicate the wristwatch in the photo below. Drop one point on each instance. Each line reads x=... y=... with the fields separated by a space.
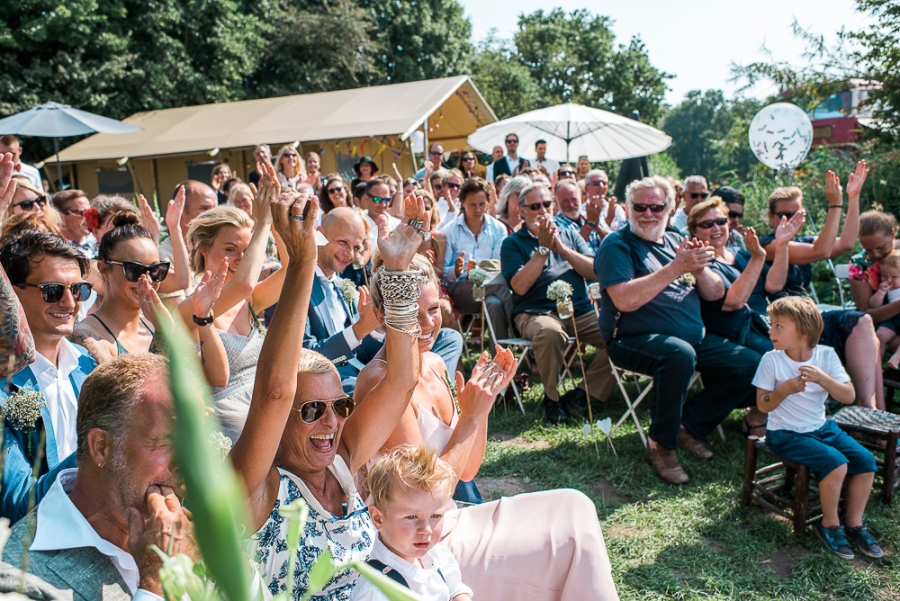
x=204 y=321
x=543 y=250
x=591 y=224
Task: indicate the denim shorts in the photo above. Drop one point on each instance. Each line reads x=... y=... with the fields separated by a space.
x=822 y=450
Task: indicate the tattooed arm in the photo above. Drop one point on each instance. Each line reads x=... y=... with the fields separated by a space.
x=16 y=343
x=96 y=346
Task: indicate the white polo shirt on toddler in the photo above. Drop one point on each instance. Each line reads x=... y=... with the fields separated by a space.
x=424 y=582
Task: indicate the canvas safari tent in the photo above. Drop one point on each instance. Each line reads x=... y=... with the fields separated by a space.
x=182 y=143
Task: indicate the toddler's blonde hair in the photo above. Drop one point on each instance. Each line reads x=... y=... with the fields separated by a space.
x=410 y=468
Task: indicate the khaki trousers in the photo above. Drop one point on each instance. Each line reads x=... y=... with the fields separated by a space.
x=549 y=336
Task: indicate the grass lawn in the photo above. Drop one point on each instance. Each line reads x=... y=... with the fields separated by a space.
x=688 y=542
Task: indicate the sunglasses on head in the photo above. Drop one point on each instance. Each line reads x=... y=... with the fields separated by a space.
x=380 y=199
x=134 y=270
x=53 y=293
x=312 y=411
x=642 y=208
x=735 y=215
x=705 y=225
x=334 y=190
x=452 y=185
x=537 y=206
x=696 y=195
x=785 y=214
x=27 y=205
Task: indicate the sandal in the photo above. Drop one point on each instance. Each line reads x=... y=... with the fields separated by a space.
x=747 y=429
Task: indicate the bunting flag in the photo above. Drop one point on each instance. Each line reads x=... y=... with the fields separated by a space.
x=353 y=150
x=381 y=149
x=398 y=154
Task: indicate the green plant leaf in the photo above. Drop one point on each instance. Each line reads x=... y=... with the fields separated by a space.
x=392 y=590
x=214 y=494
x=320 y=573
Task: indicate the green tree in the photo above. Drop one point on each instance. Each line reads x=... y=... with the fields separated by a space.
x=573 y=58
x=879 y=56
x=316 y=48
x=709 y=135
x=505 y=83
x=420 y=39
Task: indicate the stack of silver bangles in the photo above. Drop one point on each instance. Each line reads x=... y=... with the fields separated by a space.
x=400 y=291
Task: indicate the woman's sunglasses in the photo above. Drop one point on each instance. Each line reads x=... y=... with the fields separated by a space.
x=27 y=205
x=53 y=293
x=335 y=190
x=705 y=225
x=565 y=173
x=642 y=208
x=312 y=411
x=134 y=270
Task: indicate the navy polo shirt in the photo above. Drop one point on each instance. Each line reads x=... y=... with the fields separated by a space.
x=517 y=249
x=675 y=311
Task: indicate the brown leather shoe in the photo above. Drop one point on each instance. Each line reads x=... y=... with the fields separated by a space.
x=665 y=463
x=693 y=446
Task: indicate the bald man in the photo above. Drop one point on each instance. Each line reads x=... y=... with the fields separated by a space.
x=344 y=330
x=198 y=197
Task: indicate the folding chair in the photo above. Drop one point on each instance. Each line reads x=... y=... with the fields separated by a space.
x=520 y=344
x=621 y=375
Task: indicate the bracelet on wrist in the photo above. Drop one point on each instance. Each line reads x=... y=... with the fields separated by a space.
x=204 y=321
x=835 y=206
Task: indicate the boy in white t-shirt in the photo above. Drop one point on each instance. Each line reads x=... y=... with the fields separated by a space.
x=411 y=487
x=793 y=382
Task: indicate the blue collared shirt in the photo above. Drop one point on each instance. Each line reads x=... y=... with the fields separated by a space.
x=568 y=224
x=460 y=239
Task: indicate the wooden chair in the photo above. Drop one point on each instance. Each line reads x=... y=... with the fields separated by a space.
x=891 y=384
x=869 y=425
x=782 y=487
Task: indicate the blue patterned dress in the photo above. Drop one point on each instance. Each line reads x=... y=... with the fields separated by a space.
x=349 y=538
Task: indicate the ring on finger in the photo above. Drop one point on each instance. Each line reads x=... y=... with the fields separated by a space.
x=298 y=218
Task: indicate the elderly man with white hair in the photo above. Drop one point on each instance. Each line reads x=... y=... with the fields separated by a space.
x=571 y=214
x=651 y=282
x=537 y=255
x=695 y=190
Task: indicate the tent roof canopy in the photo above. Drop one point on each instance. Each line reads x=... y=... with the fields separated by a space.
x=396 y=109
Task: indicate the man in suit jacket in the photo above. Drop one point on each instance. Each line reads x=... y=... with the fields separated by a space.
x=47 y=274
x=93 y=529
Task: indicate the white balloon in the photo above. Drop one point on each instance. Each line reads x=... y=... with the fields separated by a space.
x=780 y=135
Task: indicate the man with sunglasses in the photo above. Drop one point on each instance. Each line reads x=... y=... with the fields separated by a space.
x=511 y=164
x=734 y=200
x=651 y=281
x=531 y=259
x=71 y=205
x=436 y=158
x=695 y=190
x=375 y=203
x=47 y=274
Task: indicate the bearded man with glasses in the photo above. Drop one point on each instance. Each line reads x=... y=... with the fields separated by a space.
x=695 y=190
x=531 y=259
x=48 y=275
x=651 y=282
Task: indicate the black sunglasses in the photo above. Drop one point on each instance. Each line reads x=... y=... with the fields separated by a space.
x=696 y=195
x=134 y=270
x=27 y=205
x=786 y=214
x=435 y=153
x=53 y=293
x=334 y=190
x=642 y=208
x=468 y=158
x=735 y=215
x=312 y=411
x=565 y=173
x=537 y=206
x=705 y=225
x=512 y=141
x=452 y=185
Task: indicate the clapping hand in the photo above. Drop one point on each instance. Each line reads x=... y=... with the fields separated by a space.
x=8 y=183
x=175 y=210
x=751 y=243
x=788 y=229
x=833 y=190
x=857 y=179
x=476 y=397
x=593 y=208
x=152 y=306
x=148 y=218
x=692 y=256
x=266 y=194
x=546 y=231
x=400 y=246
x=294 y=219
x=208 y=290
